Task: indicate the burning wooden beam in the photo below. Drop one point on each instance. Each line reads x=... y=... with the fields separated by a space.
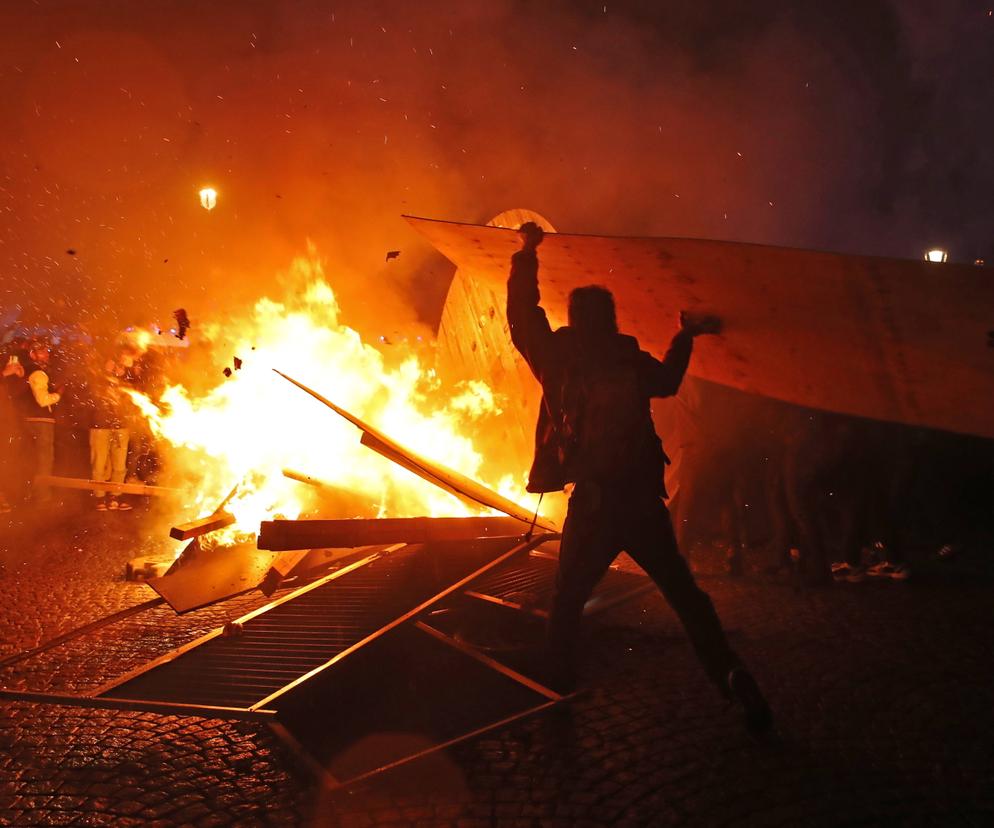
x=201 y=526
x=310 y=480
x=191 y=550
x=104 y=486
x=370 y=441
x=445 y=478
x=285 y=535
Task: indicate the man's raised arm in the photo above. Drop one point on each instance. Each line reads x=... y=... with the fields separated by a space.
x=663 y=377
x=530 y=330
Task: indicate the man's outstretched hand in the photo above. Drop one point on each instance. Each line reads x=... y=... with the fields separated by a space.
x=531 y=235
x=697 y=324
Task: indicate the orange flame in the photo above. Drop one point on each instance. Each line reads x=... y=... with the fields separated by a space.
x=253 y=425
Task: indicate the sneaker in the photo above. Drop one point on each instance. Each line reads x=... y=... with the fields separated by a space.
x=101 y=505
x=881 y=570
x=900 y=573
x=897 y=572
x=113 y=505
x=848 y=572
x=758 y=716
x=124 y=506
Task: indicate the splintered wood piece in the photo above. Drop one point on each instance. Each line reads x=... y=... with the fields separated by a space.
x=201 y=526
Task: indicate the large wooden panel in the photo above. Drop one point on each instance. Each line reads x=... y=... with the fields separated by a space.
x=897 y=340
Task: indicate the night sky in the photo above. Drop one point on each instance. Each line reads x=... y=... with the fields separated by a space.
x=857 y=126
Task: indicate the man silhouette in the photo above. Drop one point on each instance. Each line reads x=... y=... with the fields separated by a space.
x=595 y=431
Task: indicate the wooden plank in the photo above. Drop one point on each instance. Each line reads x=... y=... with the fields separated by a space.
x=192 y=549
x=443 y=477
x=398 y=457
x=213 y=575
x=898 y=340
x=201 y=526
x=103 y=486
x=283 y=535
x=311 y=480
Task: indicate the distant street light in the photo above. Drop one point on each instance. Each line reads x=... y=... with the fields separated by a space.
x=208 y=198
x=936 y=254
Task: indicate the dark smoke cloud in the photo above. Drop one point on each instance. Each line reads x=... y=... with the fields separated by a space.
x=858 y=126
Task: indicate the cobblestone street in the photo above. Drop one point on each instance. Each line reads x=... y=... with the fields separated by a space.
x=882 y=694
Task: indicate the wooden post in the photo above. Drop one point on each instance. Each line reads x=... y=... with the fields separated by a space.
x=105 y=486
x=284 y=535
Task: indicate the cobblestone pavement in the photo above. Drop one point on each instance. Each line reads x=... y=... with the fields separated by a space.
x=882 y=693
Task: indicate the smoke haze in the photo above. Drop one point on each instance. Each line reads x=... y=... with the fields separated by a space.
x=854 y=126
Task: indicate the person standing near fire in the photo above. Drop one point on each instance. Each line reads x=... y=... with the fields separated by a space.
x=11 y=382
x=109 y=435
x=595 y=431
x=40 y=417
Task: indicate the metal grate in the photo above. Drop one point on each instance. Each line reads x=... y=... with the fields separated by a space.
x=290 y=639
x=528 y=584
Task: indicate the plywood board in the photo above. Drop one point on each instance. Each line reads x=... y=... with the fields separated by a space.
x=892 y=339
x=213 y=575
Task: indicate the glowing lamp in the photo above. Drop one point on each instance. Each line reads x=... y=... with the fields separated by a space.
x=208 y=198
x=936 y=254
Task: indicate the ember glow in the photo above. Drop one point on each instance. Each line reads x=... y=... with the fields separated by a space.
x=252 y=425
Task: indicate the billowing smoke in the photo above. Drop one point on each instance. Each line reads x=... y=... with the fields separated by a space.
x=852 y=126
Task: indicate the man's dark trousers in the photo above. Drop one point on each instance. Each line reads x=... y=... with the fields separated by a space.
x=602 y=522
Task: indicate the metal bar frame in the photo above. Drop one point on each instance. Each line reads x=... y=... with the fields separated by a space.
x=481 y=731
x=92 y=626
x=595 y=607
x=145 y=705
x=525 y=546
x=492 y=663
x=301 y=755
x=503 y=602
x=190 y=645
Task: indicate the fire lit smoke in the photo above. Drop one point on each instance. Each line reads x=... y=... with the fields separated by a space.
x=250 y=427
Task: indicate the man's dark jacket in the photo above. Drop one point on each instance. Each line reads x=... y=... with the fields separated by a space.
x=554 y=355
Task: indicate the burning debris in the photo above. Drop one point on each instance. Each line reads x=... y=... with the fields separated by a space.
x=182 y=321
x=255 y=430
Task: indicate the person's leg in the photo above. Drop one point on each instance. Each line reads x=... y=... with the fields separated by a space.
x=42 y=437
x=118 y=461
x=6 y=458
x=100 y=457
x=118 y=454
x=585 y=553
x=19 y=464
x=652 y=545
